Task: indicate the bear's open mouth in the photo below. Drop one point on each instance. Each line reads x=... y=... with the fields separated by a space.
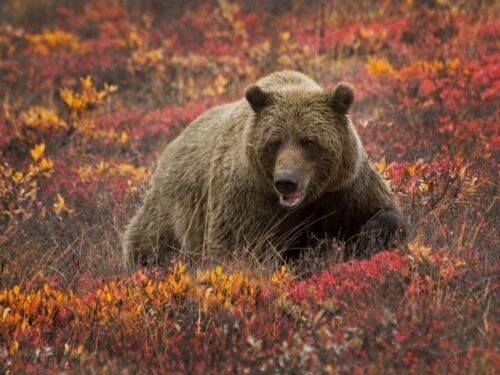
x=291 y=200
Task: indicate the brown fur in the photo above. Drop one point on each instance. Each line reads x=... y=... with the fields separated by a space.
x=213 y=189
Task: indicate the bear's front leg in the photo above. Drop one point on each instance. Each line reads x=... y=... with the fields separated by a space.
x=383 y=230
x=147 y=238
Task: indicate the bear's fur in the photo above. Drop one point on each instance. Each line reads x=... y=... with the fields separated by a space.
x=281 y=166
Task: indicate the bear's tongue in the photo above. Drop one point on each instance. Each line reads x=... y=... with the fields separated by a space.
x=291 y=200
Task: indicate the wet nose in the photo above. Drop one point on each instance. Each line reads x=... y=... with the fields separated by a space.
x=286 y=184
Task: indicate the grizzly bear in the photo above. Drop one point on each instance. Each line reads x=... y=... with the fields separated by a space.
x=269 y=172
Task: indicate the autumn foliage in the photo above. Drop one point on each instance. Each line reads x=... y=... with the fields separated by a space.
x=90 y=93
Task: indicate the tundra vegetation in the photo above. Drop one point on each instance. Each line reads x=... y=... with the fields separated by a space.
x=90 y=93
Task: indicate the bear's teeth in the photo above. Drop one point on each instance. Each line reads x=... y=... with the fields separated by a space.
x=291 y=200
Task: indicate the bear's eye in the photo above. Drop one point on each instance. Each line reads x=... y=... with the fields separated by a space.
x=274 y=146
x=308 y=143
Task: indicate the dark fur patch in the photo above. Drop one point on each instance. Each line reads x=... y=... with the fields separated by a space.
x=342 y=98
x=257 y=98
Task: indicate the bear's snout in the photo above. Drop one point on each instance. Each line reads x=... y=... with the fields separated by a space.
x=286 y=183
x=291 y=176
x=291 y=188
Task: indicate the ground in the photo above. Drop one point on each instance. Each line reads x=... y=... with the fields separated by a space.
x=92 y=90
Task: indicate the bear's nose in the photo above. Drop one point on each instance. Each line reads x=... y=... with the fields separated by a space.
x=286 y=184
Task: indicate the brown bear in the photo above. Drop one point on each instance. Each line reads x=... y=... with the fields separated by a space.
x=281 y=166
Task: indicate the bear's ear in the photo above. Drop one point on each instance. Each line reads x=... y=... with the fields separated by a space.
x=257 y=98
x=342 y=98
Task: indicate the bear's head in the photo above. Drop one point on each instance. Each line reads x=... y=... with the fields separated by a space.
x=302 y=142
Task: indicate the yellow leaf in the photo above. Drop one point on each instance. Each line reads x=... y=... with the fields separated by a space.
x=453 y=64
x=17 y=177
x=191 y=88
x=424 y=186
x=367 y=33
x=110 y=88
x=411 y=169
x=101 y=167
x=209 y=91
x=285 y=36
x=381 y=165
x=277 y=276
x=134 y=39
x=37 y=116
x=220 y=84
x=285 y=60
x=5 y=313
x=67 y=95
x=51 y=40
x=181 y=269
x=461 y=172
x=24 y=324
x=46 y=164
x=60 y=206
x=86 y=82
x=379 y=66
x=6 y=110
x=123 y=137
x=420 y=252
x=218 y=270
x=14 y=347
x=37 y=151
